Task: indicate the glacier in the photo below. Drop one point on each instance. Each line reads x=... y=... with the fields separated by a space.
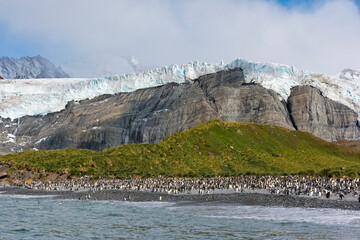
x=20 y=97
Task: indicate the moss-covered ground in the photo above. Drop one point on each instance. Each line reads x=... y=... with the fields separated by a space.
x=210 y=149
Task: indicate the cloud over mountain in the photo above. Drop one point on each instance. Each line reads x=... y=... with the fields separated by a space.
x=321 y=38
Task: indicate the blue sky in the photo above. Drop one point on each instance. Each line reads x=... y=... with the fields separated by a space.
x=86 y=35
x=17 y=45
x=305 y=3
x=294 y=3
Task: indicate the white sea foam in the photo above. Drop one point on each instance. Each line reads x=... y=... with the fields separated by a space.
x=21 y=196
x=152 y=204
x=279 y=214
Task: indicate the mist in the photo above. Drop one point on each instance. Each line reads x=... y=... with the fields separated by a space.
x=94 y=37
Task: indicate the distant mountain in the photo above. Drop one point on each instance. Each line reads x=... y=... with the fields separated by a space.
x=29 y=67
x=350 y=74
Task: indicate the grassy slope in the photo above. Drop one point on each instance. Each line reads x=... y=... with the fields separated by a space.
x=210 y=149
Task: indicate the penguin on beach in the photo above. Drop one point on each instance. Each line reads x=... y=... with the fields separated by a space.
x=341 y=195
x=328 y=194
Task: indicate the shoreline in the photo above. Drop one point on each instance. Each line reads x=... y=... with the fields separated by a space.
x=250 y=198
x=287 y=191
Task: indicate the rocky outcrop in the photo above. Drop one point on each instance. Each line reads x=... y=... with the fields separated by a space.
x=1 y=77
x=149 y=115
x=325 y=118
x=3 y=175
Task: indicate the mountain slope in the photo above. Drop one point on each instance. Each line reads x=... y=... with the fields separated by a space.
x=211 y=149
x=29 y=97
x=29 y=67
x=149 y=115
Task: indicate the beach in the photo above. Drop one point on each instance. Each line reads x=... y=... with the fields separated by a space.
x=245 y=190
x=251 y=199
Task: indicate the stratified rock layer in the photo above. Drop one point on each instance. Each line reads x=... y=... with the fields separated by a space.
x=149 y=115
x=312 y=112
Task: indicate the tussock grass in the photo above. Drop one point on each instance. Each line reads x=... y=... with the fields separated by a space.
x=211 y=149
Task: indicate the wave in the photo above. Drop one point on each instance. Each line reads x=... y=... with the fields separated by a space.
x=322 y=216
x=21 y=196
x=152 y=204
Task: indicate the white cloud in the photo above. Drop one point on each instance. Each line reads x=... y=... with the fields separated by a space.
x=322 y=39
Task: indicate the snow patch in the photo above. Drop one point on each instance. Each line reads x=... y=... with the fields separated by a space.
x=159 y=111
x=41 y=140
x=10 y=138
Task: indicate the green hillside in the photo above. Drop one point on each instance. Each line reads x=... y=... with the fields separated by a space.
x=210 y=149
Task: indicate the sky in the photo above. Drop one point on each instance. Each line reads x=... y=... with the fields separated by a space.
x=93 y=37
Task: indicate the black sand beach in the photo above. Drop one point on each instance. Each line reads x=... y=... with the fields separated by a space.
x=252 y=199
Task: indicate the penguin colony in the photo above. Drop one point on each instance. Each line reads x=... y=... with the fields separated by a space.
x=281 y=185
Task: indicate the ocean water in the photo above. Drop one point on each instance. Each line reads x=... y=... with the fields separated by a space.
x=32 y=217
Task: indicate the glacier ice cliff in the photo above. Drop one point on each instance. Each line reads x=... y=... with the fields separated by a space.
x=42 y=96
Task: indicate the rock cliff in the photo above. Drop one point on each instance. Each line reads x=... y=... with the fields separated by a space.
x=149 y=115
x=325 y=118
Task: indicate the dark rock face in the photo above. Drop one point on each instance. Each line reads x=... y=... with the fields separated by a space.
x=149 y=115
x=325 y=118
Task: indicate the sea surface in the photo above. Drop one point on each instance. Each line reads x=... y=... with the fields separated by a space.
x=42 y=217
